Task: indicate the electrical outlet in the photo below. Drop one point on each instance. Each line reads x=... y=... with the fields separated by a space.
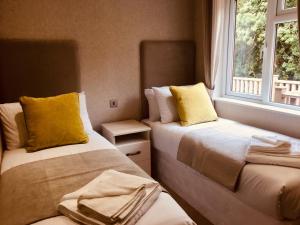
x=113 y=103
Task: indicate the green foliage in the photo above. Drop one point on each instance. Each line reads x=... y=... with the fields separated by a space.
x=250 y=39
x=290 y=3
x=287 y=57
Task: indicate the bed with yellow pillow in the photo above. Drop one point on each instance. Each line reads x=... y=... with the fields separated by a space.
x=260 y=193
x=50 y=149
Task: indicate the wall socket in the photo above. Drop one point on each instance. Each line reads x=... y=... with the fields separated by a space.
x=113 y=103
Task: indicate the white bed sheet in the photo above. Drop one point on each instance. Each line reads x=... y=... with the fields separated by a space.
x=165 y=211
x=166 y=137
x=18 y=157
x=216 y=203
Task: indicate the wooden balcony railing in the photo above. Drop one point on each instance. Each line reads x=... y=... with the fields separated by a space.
x=247 y=85
x=283 y=91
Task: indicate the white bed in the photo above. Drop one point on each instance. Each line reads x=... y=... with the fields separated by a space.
x=172 y=212
x=257 y=195
x=19 y=156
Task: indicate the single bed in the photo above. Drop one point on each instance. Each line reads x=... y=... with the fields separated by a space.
x=57 y=72
x=264 y=192
x=173 y=214
x=257 y=196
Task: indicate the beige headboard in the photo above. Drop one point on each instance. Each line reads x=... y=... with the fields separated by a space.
x=37 y=68
x=165 y=63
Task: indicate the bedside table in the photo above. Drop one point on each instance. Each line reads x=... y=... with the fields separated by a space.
x=133 y=139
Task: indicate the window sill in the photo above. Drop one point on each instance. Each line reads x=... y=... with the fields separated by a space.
x=259 y=106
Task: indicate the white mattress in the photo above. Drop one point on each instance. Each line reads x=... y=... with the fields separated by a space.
x=18 y=157
x=216 y=203
x=172 y=214
x=166 y=137
x=165 y=211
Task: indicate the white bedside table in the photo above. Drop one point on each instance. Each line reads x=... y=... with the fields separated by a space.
x=133 y=139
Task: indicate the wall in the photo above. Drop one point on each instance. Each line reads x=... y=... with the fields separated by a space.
x=108 y=33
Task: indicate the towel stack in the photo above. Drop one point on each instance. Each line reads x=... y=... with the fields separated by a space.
x=111 y=198
x=269 y=146
x=281 y=151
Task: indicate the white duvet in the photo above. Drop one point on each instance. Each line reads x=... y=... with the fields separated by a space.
x=18 y=157
x=165 y=211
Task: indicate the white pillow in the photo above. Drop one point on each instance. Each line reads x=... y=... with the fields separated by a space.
x=166 y=104
x=14 y=127
x=84 y=113
x=154 y=114
x=13 y=124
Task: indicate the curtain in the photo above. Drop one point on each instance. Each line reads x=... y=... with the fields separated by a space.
x=220 y=12
x=203 y=37
x=211 y=24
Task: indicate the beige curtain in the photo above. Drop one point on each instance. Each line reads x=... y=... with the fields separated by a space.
x=211 y=17
x=203 y=37
x=220 y=13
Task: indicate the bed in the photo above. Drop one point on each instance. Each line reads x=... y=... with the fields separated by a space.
x=258 y=197
x=57 y=60
x=173 y=214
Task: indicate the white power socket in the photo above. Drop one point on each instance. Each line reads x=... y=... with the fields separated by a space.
x=113 y=103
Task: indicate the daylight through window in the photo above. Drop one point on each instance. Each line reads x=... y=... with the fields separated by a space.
x=264 y=62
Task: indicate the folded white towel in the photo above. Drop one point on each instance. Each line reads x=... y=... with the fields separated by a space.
x=273 y=146
x=113 y=197
x=270 y=141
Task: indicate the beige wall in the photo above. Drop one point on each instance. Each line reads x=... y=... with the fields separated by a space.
x=108 y=33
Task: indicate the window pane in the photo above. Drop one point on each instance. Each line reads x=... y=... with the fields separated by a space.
x=248 y=49
x=286 y=78
x=290 y=4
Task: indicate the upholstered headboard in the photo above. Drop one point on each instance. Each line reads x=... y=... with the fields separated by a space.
x=37 y=68
x=165 y=63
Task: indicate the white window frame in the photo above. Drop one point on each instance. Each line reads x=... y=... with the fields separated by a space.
x=281 y=8
x=275 y=14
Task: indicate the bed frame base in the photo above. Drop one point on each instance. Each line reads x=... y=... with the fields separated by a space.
x=192 y=212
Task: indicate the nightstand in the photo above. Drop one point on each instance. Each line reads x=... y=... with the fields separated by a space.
x=133 y=139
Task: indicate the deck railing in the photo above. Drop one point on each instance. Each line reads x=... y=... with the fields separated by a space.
x=283 y=91
x=247 y=85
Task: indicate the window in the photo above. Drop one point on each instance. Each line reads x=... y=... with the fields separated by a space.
x=286 y=6
x=290 y=4
x=250 y=31
x=286 y=67
x=264 y=55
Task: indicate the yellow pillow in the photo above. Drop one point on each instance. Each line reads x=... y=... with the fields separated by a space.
x=193 y=104
x=53 y=121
